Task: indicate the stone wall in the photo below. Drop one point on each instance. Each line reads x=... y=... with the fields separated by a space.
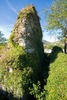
x=27 y=30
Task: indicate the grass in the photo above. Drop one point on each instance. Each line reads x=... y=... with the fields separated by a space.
x=57 y=81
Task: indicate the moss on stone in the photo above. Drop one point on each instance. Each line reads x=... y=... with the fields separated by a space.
x=25 y=66
x=27 y=12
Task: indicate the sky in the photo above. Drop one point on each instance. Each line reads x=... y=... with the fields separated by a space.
x=9 y=12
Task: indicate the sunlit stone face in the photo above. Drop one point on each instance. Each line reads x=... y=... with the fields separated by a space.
x=27 y=30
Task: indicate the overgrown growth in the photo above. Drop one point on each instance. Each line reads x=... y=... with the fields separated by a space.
x=57 y=80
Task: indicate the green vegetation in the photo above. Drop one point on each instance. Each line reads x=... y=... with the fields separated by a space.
x=2 y=38
x=20 y=74
x=51 y=45
x=55 y=88
x=57 y=18
x=37 y=92
x=27 y=12
x=11 y=39
x=18 y=70
x=36 y=75
x=48 y=46
x=57 y=81
x=2 y=45
x=11 y=80
x=3 y=41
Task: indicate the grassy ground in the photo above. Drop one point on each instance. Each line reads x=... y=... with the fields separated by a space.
x=57 y=81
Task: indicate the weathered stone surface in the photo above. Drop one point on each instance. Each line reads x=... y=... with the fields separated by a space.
x=27 y=30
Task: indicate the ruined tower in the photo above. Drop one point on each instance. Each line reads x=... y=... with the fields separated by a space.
x=27 y=30
x=22 y=59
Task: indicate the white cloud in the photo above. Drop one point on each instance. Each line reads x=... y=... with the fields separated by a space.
x=50 y=38
x=6 y=30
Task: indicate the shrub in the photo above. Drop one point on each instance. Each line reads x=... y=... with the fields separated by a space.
x=38 y=93
x=14 y=71
x=17 y=70
x=57 y=81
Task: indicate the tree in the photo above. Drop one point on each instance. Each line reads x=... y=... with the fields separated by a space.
x=2 y=38
x=57 y=18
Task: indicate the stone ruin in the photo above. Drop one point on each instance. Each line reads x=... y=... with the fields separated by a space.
x=28 y=34
x=27 y=30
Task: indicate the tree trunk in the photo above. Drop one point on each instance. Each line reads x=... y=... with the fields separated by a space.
x=65 y=47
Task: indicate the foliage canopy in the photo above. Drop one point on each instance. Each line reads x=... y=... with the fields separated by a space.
x=2 y=38
x=57 y=19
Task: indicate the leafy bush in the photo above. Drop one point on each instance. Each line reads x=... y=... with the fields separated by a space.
x=2 y=38
x=14 y=71
x=38 y=93
x=17 y=70
x=57 y=81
